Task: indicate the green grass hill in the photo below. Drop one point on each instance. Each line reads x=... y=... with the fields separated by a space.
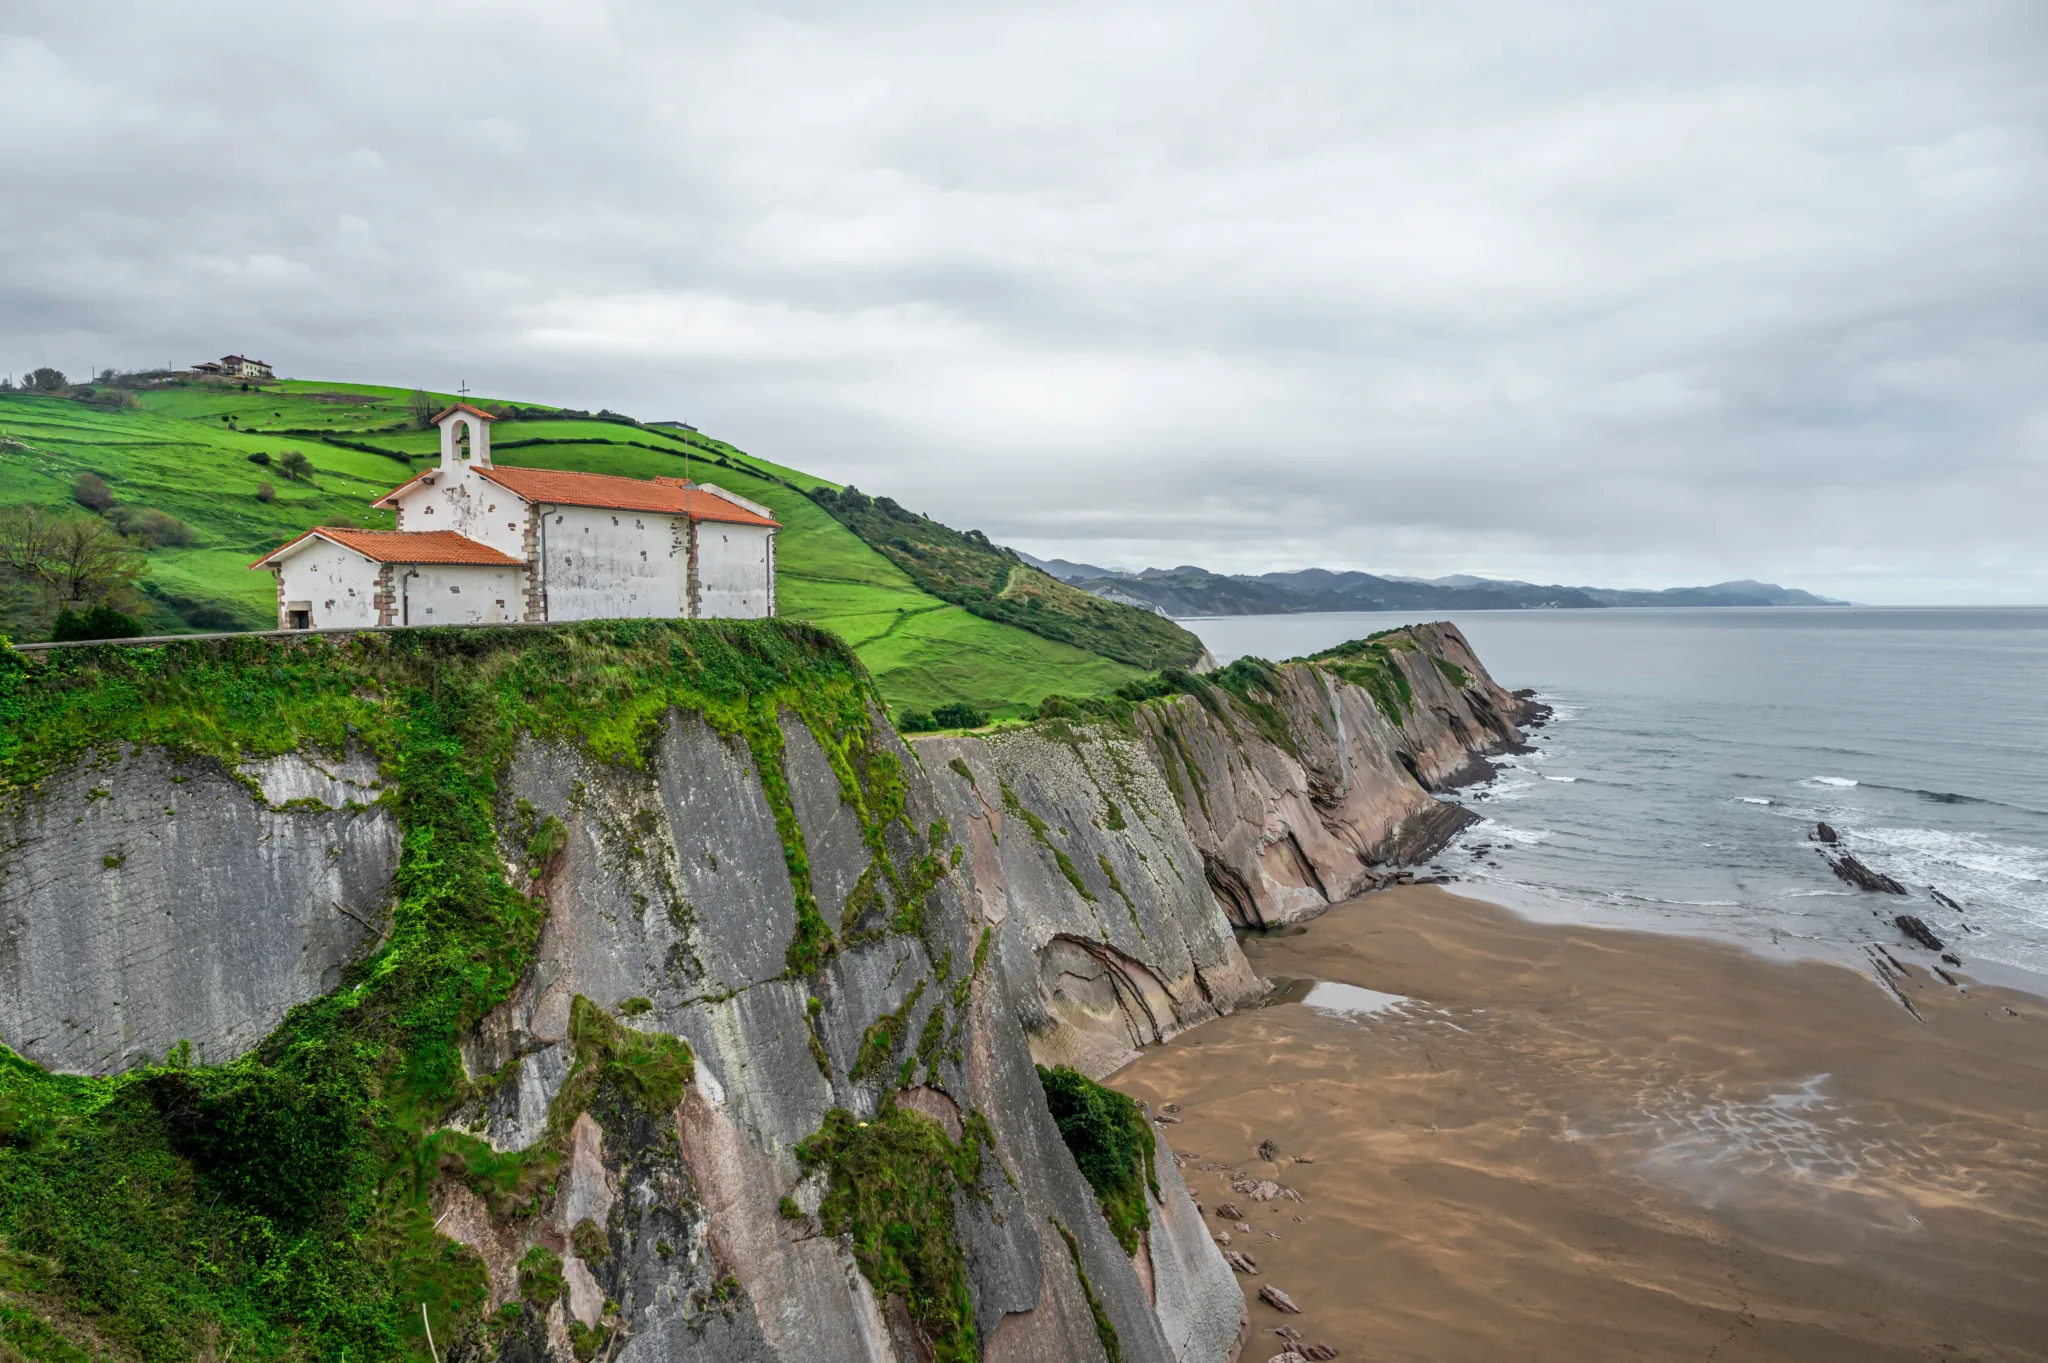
x=186 y=450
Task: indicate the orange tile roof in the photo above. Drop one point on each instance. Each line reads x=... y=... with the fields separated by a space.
x=405 y=546
x=465 y=407
x=662 y=496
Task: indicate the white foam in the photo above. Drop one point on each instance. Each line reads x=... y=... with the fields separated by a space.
x=1755 y=800
x=1930 y=854
x=1840 y=782
x=1521 y=837
x=1791 y=1132
x=1567 y=780
x=1348 y=1000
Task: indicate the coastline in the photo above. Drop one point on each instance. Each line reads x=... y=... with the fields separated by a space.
x=1533 y=904
x=1588 y=1142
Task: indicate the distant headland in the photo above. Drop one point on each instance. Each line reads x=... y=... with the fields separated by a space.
x=1190 y=591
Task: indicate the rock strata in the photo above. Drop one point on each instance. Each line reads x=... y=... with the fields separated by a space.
x=1848 y=868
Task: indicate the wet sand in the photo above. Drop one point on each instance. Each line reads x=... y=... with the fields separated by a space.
x=1578 y=1143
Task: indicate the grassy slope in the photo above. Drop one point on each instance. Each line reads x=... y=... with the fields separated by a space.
x=966 y=569
x=176 y=453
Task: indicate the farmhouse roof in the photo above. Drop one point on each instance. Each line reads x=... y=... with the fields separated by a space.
x=465 y=407
x=402 y=546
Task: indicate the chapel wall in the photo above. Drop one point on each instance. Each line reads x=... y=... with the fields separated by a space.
x=340 y=583
x=469 y=505
x=607 y=565
x=735 y=575
x=462 y=594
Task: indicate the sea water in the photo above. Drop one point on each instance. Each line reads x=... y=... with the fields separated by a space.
x=1692 y=752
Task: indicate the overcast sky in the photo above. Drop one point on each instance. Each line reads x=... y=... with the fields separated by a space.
x=1621 y=292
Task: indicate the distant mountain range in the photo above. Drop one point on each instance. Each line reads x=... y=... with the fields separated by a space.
x=1191 y=591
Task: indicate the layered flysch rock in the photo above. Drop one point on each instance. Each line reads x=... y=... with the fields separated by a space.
x=671 y=904
x=146 y=901
x=1075 y=845
x=1311 y=791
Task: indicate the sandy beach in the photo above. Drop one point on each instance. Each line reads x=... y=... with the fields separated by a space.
x=1578 y=1143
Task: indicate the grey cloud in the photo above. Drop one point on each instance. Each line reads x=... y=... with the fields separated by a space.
x=1619 y=291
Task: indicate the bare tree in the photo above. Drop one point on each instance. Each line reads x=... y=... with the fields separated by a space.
x=71 y=560
x=423 y=409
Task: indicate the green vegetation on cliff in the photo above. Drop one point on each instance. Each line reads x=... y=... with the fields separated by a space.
x=1370 y=665
x=890 y=1186
x=276 y=1206
x=190 y=452
x=1111 y=1142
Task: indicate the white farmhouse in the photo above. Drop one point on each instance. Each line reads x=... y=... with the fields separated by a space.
x=480 y=545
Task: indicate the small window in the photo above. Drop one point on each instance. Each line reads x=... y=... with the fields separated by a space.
x=300 y=620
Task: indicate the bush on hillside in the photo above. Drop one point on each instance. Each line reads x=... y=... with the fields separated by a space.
x=266 y=493
x=293 y=464
x=97 y=622
x=90 y=490
x=151 y=527
x=260 y=457
x=46 y=380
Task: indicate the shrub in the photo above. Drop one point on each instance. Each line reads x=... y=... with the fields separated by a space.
x=266 y=493
x=260 y=457
x=46 y=380
x=98 y=622
x=91 y=491
x=958 y=715
x=1110 y=1141
x=276 y=1143
x=293 y=464
x=151 y=526
x=914 y=722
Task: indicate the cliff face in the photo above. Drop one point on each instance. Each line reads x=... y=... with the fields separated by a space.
x=1309 y=789
x=1078 y=850
x=672 y=887
x=608 y=975
x=146 y=900
x=583 y=990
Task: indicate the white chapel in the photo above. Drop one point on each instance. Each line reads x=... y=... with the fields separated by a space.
x=477 y=544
